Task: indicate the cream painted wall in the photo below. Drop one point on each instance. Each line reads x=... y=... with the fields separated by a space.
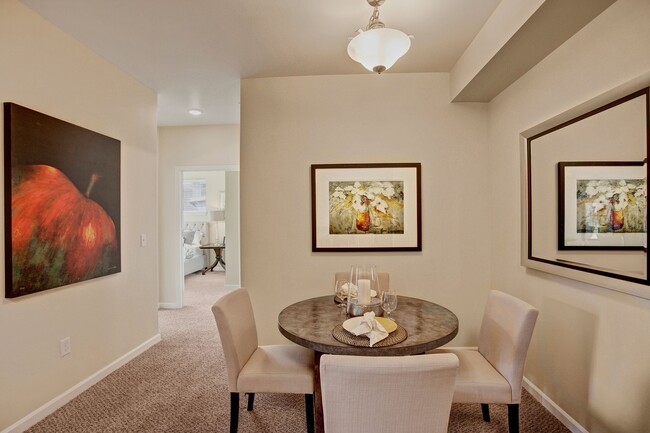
x=289 y=123
x=591 y=348
x=233 y=246
x=190 y=148
x=106 y=318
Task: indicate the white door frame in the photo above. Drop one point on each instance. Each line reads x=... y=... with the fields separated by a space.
x=178 y=224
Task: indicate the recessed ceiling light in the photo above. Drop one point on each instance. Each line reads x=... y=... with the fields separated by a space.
x=195 y=111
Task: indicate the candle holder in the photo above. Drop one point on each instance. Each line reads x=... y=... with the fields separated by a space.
x=364 y=283
x=354 y=309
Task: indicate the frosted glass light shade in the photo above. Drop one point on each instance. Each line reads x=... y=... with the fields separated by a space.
x=378 y=49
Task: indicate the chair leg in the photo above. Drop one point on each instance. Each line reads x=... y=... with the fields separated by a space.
x=234 y=411
x=309 y=409
x=513 y=418
x=251 y=399
x=485 y=409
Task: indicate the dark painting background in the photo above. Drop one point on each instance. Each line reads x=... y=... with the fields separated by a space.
x=36 y=138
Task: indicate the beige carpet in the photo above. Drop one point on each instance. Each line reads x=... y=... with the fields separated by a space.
x=179 y=385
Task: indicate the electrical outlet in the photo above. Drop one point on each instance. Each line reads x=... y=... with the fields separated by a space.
x=143 y=240
x=64 y=346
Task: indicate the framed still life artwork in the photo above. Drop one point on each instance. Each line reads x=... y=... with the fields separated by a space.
x=602 y=205
x=62 y=202
x=366 y=207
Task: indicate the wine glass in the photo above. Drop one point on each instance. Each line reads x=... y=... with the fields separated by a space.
x=389 y=302
x=340 y=291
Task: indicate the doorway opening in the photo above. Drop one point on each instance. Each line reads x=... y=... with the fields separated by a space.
x=209 y=223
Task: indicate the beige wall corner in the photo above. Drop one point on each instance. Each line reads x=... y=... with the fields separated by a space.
x=517 y=36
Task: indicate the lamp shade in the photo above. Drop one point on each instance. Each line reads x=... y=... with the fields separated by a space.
x=378 y=49
x=217 y=215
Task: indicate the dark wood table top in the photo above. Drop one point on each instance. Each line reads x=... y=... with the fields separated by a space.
x=309 y=323
x=211 y=247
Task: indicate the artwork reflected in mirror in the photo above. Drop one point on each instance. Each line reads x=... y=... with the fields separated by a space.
x=585 y=177
x=602 y=205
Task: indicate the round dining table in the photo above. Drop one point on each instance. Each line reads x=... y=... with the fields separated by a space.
x=310 y=323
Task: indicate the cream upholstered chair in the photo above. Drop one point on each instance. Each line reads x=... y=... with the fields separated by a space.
x=383 y=277
x=252 y=368
x=493 y=372
x=377 y=394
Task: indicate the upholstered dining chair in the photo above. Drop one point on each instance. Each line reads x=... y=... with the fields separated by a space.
x=387 y=394
x=252 y=368
x=493 y=372
x=383 y=277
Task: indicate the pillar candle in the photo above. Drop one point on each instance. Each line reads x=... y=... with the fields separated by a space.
x=364 y=292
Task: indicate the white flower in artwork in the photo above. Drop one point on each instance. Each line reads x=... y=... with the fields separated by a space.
x=640 y=192
x=623 y=186
x=358 y=203
x=376 y=189
x=599 y=204
x=379 y=204
x=602 y=186
x=591 y=190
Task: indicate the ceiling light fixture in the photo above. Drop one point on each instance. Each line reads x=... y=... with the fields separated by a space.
x=377 y=48
x=195 y=111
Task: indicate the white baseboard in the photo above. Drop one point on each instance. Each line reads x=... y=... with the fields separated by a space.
x=169 y=306
x=232 y=286
x=57 y=402
x=552 y=407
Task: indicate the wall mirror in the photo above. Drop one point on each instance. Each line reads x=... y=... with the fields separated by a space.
x=585 y=196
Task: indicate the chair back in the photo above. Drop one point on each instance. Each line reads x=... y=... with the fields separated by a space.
x=505 y=335
x=387 y=394
x=236 y=324
x=383 y=277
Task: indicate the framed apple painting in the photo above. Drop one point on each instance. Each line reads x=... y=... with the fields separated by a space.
x=62 y=202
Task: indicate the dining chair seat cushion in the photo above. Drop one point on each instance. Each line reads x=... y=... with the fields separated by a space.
x=476 y=370
x=280 y=368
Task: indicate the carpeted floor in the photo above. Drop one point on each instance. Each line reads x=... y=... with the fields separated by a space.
x=179 y=385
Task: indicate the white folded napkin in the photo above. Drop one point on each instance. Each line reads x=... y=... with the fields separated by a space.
x=371 y=329
x=345 y=288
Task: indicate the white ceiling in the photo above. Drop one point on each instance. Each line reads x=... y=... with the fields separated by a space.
x=193 y=53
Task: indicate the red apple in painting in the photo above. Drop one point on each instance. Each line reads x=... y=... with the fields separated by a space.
x=59 y=236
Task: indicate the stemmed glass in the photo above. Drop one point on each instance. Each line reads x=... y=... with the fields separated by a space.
x=389 y=302
x=341 y=292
